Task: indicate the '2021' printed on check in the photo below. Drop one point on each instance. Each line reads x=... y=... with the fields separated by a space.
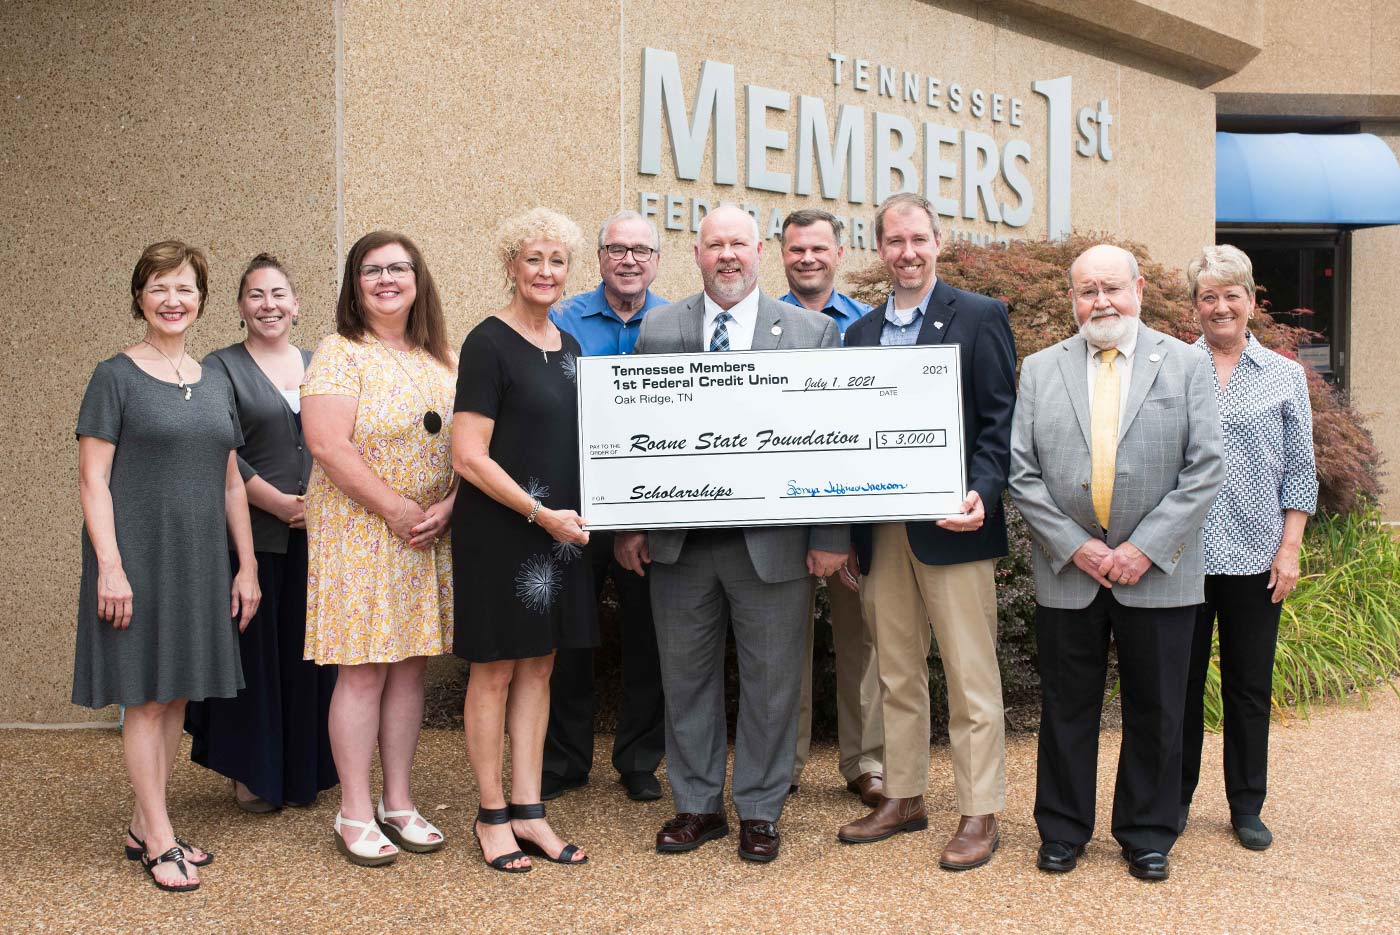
x=754 y=438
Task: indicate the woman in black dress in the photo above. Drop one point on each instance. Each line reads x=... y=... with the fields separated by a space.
x=271 y=740
x=162 y=499
x=522 y=588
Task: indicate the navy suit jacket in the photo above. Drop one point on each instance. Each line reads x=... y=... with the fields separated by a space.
x=981 y=328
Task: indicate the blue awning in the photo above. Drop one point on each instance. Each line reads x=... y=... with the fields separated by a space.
x=1347 y=179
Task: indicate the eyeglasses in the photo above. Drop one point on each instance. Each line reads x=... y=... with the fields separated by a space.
x=1092 y=293
x=619 y=250
x=400 y=270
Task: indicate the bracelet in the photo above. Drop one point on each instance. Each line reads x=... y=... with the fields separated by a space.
x=533 y=513
x=404 y=511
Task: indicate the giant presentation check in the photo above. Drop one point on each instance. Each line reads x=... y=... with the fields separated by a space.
x=759 y=438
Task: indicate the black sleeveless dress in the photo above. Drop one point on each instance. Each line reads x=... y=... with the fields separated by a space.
x=518 y=592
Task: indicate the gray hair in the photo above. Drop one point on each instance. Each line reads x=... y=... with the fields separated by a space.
x=628 y=216
x=753 y=221
x=1222 y=264
x=1133 y=272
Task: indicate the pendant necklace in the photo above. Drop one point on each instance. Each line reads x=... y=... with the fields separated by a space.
x=179 y=379
x=527 y=337
x=432 y=421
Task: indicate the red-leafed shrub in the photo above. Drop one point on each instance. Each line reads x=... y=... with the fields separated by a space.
x=1029 y=276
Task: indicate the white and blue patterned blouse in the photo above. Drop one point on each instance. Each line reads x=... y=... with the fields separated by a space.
x=1266 y=421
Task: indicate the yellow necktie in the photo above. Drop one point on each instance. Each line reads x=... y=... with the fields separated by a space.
x=1104 y=432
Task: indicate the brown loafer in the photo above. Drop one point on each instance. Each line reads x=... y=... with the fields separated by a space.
x=976 y=839
x=758 y=840
x=687 y=831
x=869 y=786
x=889 y=818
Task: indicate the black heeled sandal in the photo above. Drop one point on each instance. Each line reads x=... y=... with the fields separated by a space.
x=497 y=816
x=137 y=853
x=531 y=812
x=173 y=856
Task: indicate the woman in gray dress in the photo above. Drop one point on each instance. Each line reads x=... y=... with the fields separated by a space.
x=158 y=619
x=271 y=741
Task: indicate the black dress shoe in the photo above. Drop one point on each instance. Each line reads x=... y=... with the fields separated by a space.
x=1252 y=832
x=641 y=786
x=1147 y=864
x=552 y=785
x=1058 y=856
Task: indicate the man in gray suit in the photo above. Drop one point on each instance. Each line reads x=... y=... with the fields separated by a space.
x=1115 y=461
x=760 y=579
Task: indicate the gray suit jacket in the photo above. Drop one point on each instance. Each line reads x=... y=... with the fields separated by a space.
x=778 y=553
x=1169 y=468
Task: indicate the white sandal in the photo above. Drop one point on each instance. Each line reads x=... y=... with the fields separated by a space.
x=363 y=852
x=411 y=837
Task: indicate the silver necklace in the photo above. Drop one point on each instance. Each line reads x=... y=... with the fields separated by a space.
x=179 y=379
x=432 y=420
x=521 y=328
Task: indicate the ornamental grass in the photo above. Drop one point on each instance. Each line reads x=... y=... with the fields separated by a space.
x=1340 y=630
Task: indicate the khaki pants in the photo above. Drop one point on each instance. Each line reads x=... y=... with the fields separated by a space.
x=859 y=730
x=901 y=598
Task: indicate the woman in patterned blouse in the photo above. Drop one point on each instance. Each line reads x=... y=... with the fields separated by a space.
x=1252 y=535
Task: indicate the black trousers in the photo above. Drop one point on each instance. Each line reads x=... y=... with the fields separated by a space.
x=1248 y=635
x=640 y=740
x=1153 y=652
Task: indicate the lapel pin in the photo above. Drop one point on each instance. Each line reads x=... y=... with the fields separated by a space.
x=1154 y=357
x=777 y=330
x=938 y=324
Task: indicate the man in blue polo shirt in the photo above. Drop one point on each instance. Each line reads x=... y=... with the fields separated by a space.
x=607 y=321
x=812 y=252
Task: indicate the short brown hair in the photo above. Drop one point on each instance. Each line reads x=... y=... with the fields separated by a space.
x=264 y=261
x=809 y=216
x=426 y=326
x=901 y=201
x=165 y=257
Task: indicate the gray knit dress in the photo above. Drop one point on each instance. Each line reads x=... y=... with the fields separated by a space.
x=167 y=485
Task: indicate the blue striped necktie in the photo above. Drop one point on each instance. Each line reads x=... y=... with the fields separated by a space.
x=719 y=341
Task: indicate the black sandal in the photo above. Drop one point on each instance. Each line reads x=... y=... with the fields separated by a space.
x=497 y=816
x=136 y=853
x=531 y=812
x=175 y=856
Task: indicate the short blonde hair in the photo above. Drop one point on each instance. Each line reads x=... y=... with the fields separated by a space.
x=534 y=225
x=1223 y=265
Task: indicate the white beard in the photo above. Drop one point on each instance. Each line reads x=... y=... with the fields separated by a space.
x=1107 y=332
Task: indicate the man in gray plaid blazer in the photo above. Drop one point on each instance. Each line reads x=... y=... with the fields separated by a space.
x=1115 y=461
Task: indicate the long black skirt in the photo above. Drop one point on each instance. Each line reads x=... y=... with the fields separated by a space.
x=272 y=737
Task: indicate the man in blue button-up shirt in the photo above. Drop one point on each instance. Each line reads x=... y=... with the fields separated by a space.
x=812 y=252
x=607 y=321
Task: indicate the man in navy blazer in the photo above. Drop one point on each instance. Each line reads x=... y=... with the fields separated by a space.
x=940 y=574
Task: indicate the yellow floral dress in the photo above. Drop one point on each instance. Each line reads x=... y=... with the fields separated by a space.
x=369 y=596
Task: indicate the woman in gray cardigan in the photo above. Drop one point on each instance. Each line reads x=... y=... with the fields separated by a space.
x=271 y=739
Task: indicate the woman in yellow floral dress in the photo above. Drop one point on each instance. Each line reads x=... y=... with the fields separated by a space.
x=375 y=402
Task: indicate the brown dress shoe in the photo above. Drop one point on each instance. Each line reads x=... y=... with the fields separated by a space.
x=869 y=786
x=758 y=840
x=890 y=817
x=976 y=839
x=687 y=831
